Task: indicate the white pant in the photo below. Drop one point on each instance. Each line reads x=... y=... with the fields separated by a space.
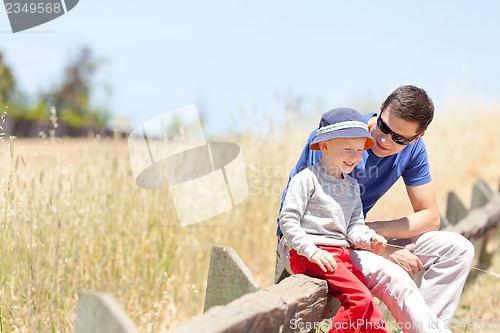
x=429 y=308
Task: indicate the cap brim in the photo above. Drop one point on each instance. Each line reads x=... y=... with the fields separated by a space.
x=340 y=134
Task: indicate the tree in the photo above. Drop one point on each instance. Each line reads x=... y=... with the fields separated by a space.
x=72 y=98
x=7 y=83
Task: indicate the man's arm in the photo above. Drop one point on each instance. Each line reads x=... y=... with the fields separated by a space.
x=425 y=215
x=425 y=218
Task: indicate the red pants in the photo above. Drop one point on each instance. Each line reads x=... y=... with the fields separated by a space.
x=358 y=312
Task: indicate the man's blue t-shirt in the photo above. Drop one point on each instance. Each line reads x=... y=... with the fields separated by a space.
x=374 y=174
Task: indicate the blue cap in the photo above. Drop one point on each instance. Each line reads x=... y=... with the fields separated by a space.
x=342 y=123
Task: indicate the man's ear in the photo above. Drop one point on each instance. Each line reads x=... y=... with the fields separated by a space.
x=418 y=137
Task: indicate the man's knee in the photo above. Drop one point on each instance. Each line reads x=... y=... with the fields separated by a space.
x=461 y=248
x=448 y=245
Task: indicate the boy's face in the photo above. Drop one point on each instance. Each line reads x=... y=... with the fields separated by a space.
x=343 y=154
x=384 y=144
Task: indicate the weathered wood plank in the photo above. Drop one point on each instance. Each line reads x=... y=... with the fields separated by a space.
x=272 y=309
x=480 y=220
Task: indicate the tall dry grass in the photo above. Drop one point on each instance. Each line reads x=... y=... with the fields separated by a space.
x=72 y=219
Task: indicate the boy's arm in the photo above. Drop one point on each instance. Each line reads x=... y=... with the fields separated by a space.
x=294 y=206
x=307 y=158
x=359 y=234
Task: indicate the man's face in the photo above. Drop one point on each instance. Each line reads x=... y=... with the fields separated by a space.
x=393 y=125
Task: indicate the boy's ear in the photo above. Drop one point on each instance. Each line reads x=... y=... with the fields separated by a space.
x=323 y=146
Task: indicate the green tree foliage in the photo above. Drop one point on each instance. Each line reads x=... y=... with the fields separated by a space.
x=11 y=100
x=7 y=83
x=72 y=97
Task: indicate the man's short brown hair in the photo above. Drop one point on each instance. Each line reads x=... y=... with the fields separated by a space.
x=411 y=104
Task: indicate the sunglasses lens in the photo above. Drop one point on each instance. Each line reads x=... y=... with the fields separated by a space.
x=395 y=137
x=382 y=126
x=399 y=140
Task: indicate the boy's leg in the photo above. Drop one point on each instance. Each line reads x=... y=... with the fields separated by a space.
x=372 y=320
x=446 y=272
x=391 y=284
x=356 y=300
x=358 y=311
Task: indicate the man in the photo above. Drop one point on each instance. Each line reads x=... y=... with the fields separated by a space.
x=399 y=151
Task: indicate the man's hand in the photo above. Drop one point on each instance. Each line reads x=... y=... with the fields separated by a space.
x=404 y=258
x=325 y=260
x=378 y=244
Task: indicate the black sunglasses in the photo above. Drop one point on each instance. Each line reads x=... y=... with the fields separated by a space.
x=399 y=139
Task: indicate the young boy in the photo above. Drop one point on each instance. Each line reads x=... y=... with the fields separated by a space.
x=322 y=217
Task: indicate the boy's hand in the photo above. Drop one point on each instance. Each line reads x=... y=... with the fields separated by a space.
x=325 y=260
x=378 y=244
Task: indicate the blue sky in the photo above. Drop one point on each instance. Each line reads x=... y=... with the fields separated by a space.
x=240 y=61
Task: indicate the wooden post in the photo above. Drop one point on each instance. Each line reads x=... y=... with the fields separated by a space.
x=228 y=278
x=455 y=209
x=481 y=195
x=100 y=313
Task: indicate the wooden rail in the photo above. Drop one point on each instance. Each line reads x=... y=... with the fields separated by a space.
x=298 y=301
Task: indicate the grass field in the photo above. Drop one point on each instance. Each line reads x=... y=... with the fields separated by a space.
x=73 y=219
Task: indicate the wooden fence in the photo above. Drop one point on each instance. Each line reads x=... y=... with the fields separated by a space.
x=235 y=303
